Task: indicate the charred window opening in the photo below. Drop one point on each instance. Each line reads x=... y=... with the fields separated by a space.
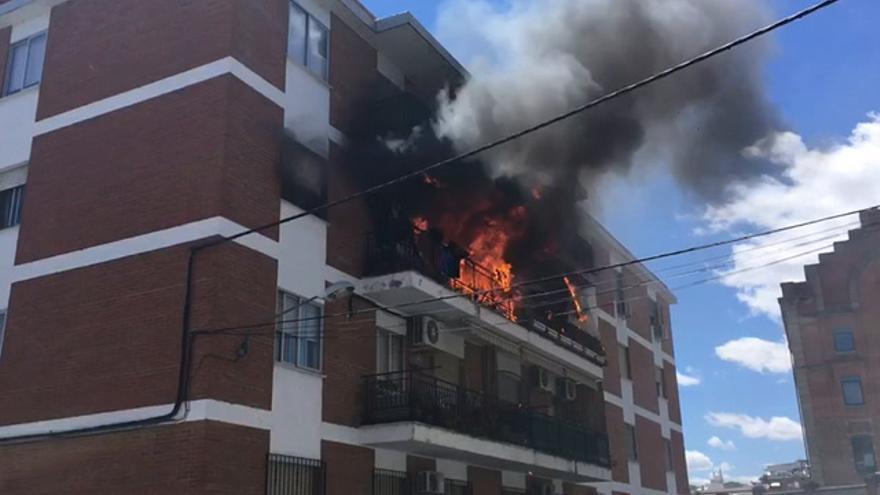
x=303 y=176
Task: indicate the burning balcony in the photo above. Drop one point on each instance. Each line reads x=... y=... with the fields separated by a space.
x=419 y=413
x=553 y=310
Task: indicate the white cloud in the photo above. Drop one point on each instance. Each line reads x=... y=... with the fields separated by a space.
x=777 y=428
x=721 y=444
x=698 y=461
x=763 y=356
x=686 y=380
x=811 y=183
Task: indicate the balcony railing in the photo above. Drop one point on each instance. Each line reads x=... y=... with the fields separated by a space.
x=288 y=475
x=449 y=266
x=416 y=396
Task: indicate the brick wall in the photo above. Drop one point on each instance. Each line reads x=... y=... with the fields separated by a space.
x=617 y=439
x=672 y=398
x=203 y=457
x=611 y=372
x=352 y=74
x=98 y=48
x=349 y=222
x=349 y=468
x=652 y=454
x=484 y=481
x=682 y=483
x=107 y=337
x=349 y=354
x=209 y=149
x=644 y=383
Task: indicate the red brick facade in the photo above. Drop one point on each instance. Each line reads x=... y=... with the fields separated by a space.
x=839 y=296
x=349 y=468
x=652 y=454
x=202 y=457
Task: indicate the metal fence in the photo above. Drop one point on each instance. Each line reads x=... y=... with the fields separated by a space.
x=416 y=396
x=288 y=475
x=387 y=482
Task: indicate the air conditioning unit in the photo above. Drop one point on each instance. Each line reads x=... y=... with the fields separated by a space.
x=425 y=332
x=566 y=388
x=543 y=379
x=430 y=482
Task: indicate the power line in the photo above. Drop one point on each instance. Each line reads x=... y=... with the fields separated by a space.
x=577 y=110
x=457 y=295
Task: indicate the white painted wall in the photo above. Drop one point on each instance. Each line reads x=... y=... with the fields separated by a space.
x=296 y=413
x=17 y=116
x=302 y=253
x=452 y=469
x=307 y=99
x=393 y=460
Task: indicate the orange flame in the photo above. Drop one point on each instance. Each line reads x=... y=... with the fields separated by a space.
x=582 y=315
x=487 y=272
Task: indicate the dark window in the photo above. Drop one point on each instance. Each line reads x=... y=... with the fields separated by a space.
x=303 y=176
x=308 y=41
x=863 y=454
x=10 y=207
x=456 y=487
x=657 y=330
x=632 y=448
x=660 y=379
x=620 y=297
x=852 y=391
x=844 y=341
x=299 y=331
x=669 y=465
x=625 y=366
x=287 y=475
x=25 y=66
x=2 y=330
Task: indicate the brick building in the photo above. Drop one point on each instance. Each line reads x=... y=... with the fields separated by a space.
x=830 y=320
x=137 y=355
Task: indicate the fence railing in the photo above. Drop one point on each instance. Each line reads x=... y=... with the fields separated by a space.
x=288 y=475
x=416 y=396
x=388 y=482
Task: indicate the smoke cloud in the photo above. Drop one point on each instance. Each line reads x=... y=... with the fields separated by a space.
x=532 y=60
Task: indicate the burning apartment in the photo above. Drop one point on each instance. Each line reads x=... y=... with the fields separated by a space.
x=448 y=334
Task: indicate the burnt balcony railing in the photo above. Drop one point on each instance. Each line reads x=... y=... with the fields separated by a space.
x=449 y=266
x=419 y=397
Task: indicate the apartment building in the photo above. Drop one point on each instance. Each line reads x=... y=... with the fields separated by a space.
x=140 y=352
x=829 y=320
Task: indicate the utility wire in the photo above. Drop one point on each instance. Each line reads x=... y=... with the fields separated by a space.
x=575 y=111
x=456 y=295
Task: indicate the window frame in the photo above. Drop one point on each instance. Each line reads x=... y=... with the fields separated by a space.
x=632 y=444
x=386 y=338
x=852 y=340
x=670 y=466
x=12 y=217
x=861 y=467
x=625 y=362
x=299 y=359
x=4 y=316
x=306 y=62
x=7 y=75
x=850 y=380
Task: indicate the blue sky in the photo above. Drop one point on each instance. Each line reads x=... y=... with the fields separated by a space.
x=824 y=78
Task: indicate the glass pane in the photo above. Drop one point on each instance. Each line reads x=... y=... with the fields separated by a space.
x=2 y=330
x=852 y=391
x=318 y=48
x=296 y=42
x=396 y=362
x=843 y=341
x=36 y=55
x=382 y=352
x=16 y=68
x=310 y=336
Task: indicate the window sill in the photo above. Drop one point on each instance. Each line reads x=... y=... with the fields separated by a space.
x=309 y=72
x=306 y=371
x=25 y=91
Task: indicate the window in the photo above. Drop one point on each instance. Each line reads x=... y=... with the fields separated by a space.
x=309 y=42
x=852 y=391
x=625 y=367
x=620 y=296
x=299 y=331
x=660 y=380
x=632 y=448
x=656 y=321
x=389 y=352
x=509 y=386
x=844 y=341
x=863 y=454
x=25 y=66
x=287 y=475
x=2 y=330
x=456 y=487
x=668 y=445
x=10 y=207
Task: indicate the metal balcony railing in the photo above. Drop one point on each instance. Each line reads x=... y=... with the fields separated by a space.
x=416 y=396
x=288 y=475
x=449 y=266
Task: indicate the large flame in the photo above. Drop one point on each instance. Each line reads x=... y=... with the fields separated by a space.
x=582 y=315
x=487 y=272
